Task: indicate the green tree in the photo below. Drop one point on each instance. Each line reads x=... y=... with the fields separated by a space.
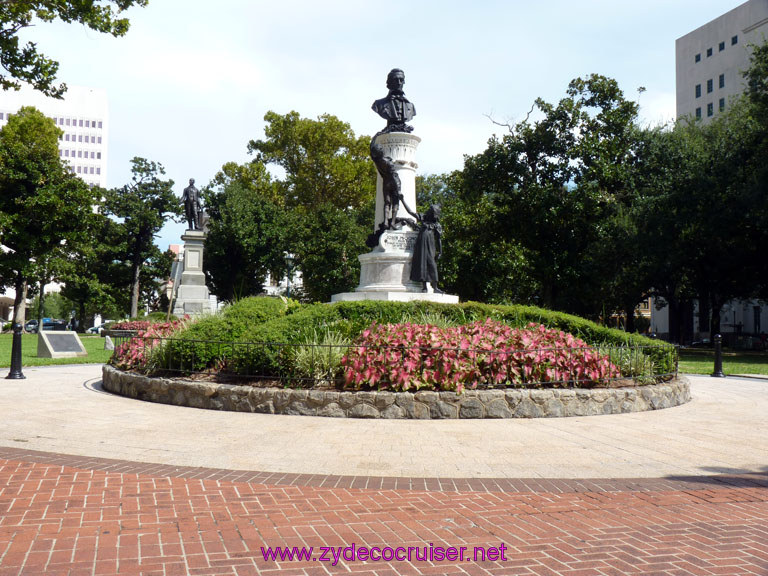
x=42 y=203
x=143 y=206
x=553 y=180
x=25 y=63
x=328 y=190
x=323 y=160
x=247 y=232
x=477 y=264
x=96 y=280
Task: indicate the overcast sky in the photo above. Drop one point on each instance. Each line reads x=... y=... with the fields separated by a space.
x=190 y=83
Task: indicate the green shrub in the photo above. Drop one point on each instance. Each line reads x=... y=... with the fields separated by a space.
x=209 y=339
x=319 y=357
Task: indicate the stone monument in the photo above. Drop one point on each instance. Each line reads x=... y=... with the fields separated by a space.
x=192 y=295
x=385 y=272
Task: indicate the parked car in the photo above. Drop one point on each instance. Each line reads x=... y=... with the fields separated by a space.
x=99 y=328
x=31 y=326
x=50 y=324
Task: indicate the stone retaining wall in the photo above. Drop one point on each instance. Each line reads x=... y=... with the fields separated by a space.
x=511 y=403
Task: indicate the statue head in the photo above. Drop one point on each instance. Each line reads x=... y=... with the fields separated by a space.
x=191 y=181
x=396 y=80
x=433 y=214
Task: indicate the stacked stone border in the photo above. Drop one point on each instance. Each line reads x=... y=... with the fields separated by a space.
x=511 y=403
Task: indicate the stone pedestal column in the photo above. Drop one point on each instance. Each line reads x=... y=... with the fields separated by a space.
x=401 y=147
x=192 y=294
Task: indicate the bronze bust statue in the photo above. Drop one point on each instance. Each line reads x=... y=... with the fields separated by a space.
x=395 y=108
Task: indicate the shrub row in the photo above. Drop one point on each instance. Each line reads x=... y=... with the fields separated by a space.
x=278 y=323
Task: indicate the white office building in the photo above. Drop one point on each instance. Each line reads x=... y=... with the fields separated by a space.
x=83 y=115
x=710 y=61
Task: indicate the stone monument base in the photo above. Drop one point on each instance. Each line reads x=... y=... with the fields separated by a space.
x=395 y=297
x=192 y=295
x=385 y=273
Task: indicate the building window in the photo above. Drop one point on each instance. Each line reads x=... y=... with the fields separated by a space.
x=721 y=46
x=1 y=115
x=79 y=170
x=81 y=123
x=66 y=153
x=698 y=112
x=92 y=169
x=709 y=52
x=99 y=136
x=98 y=155
x=710 y=85
x=697 y=58
x=99 y=123
x=93 y=139
x=734 y=40
x=722 y=104
x=721 y=81
x=98 y=170
x=710 y=109
x=67 y=121
x=79 y=153
x=698 y=90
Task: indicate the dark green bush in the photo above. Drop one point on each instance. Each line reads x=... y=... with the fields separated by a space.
x=210 y=339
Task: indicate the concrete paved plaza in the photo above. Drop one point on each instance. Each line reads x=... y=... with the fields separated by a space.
x=92 y=483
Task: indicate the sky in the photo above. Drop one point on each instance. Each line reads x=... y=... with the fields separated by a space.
x=189 y=85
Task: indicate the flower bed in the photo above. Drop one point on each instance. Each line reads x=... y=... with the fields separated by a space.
x=135 y=354
x=486 y=354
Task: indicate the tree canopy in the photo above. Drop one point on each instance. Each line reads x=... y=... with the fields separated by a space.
x=142 y=207
x=25 y=63
x=43 y=205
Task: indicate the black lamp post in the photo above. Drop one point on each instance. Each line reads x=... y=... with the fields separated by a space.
x=15 y=373
x=718 y=373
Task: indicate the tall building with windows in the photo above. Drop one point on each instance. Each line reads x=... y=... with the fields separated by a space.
x=83 y=115
x=710 y=61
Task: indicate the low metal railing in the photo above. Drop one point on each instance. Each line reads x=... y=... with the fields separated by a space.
x=310 y=365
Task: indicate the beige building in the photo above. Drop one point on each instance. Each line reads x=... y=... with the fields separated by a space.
x=710 y=60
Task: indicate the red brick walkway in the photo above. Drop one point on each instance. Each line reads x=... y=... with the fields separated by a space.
x=68 y=515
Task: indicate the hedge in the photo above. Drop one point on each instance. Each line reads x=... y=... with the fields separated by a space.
x=277 y=323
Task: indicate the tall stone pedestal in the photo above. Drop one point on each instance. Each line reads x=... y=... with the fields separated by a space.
x=385 y=271
x=192 y=294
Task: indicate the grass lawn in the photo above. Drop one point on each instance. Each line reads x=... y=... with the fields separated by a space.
x=93 y=344
x=702 y=361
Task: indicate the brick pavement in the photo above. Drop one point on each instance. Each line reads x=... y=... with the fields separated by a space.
x=72 y=515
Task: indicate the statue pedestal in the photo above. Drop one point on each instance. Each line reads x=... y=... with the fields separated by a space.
x=386 y=270
x=192 y=294
x=385 y=273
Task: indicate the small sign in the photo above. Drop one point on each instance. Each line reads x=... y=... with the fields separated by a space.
x=59 y=345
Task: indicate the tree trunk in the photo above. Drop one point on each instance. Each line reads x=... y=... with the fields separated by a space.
x=40 y=306
x=629 y=310
x=135 y=290
x=81 y=313
x=716 y=307
x=20 y=301
x=674 y=320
